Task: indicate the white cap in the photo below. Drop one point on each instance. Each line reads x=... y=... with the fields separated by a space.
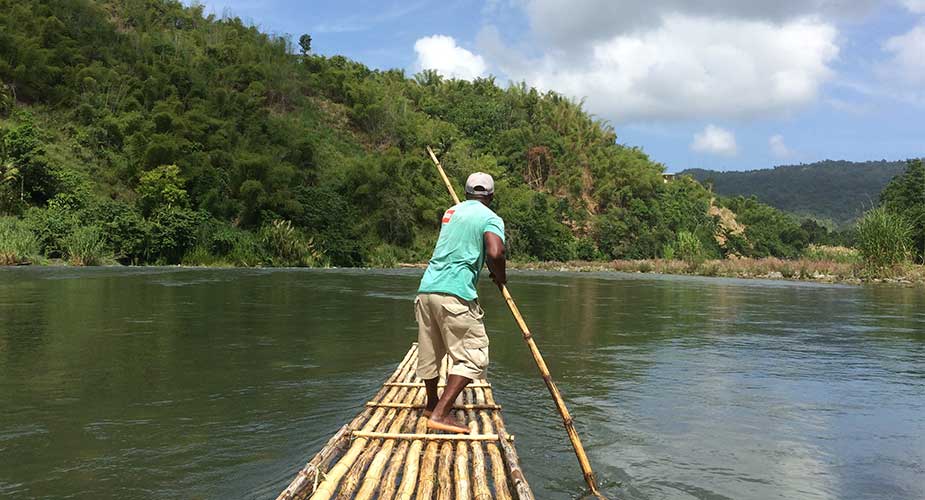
x=480 y=183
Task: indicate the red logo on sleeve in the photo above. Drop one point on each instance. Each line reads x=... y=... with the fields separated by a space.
x=447 y=215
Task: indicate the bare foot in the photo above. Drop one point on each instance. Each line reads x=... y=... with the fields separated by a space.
x=429 y=409
x=447 y=424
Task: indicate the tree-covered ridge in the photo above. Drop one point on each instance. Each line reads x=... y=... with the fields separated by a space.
x=144 y=129
x=838 y=191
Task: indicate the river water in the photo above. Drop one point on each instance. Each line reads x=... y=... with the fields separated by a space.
x=170 y=383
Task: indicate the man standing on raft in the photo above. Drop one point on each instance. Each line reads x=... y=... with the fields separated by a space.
x=446 y=308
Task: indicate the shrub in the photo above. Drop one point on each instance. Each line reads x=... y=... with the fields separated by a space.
x=17 y=243
x=125 y=230
x=161 y=187
x=86 y=246
x=173 y=233
x=229 y=245
x=383 y=256
x=668 y=252
x=51 y=226
x=842 y=255
x=883 y=239
x=585 y=249
x=689 y=248
x=286 y=246
x=199 y=255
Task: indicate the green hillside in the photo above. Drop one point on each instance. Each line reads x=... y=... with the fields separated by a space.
x=839 y=191
x=145 y=131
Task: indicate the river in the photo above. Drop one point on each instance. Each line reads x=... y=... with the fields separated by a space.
x=170 y=383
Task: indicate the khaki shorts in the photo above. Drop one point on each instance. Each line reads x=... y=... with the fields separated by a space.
x=448 y=325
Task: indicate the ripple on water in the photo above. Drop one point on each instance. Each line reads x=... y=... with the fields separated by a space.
x=680 y=387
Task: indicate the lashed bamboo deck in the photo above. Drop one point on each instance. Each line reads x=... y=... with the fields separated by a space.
x=387 y=452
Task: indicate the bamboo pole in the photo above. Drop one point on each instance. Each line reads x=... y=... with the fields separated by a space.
x=446 y=180
x=328 y=487
x=304 y=482
x=426 y=481
x=387 y=489
x=473 y=385
x=376 y=467
x=498 y=471
x=393 y=423
x=511 y=460
x=409 y=480
x=481 y=467
x=480 y=489
x=462 y=466
x=419 y=406
x=567 y=420
x=444 y=474
x=426 y=437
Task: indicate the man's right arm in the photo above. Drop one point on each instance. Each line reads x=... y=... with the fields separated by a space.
x=494 y=257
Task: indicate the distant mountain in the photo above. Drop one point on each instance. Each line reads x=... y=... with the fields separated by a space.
x=839 y=191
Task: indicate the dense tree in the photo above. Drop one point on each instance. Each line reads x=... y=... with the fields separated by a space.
x=834 y=191
x=190 y=138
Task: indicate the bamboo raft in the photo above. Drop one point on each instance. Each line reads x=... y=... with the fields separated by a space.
x=388 y=453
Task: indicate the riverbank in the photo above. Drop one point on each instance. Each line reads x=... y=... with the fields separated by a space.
x=748 y=268
x=745 y=268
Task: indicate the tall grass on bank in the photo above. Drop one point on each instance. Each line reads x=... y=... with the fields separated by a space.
x=86 y=246
x=17 y=243
x=884 y=239
x=842 y=255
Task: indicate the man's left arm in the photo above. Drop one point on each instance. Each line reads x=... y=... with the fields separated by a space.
x=494 y=251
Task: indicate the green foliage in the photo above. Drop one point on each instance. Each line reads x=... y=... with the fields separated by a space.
x=17 y=243
x=884 y=239
x=838 y=191
x=24 y=161
x=585 y=249
x=305 y=44
x=86 y=246
x=689 y=248
x=161 y=187
x=125 y=231
x=327 y=216
x=182 y=138
x=286 y=246
x=7 y=101
x=769 y=232
x=841 y=255
x=51 y=227
x=905 y=195
x=533 y=229
x=173 y=232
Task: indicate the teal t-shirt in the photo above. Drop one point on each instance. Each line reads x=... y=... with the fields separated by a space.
x=460 y=251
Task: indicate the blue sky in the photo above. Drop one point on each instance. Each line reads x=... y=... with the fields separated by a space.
x=721 y=84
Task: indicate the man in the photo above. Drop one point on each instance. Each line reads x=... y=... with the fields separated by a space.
x=447 y=310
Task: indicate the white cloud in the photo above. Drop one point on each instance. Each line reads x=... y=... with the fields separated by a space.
x=715 y=140
x=571 y=23
x=440 y=53
x=687 y=67
x=907 y=62
x=778 y=147
x=916 y=6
